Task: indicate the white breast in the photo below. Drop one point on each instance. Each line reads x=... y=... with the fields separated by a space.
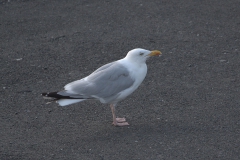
x=137 y=72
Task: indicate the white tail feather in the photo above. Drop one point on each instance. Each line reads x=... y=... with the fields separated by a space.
x=65 y=102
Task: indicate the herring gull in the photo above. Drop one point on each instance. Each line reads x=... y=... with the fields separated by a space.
x=110 y=83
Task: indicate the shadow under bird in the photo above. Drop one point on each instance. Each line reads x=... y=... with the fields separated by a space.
x=109 y=84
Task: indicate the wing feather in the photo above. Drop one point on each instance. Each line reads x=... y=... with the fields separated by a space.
x=105 y=83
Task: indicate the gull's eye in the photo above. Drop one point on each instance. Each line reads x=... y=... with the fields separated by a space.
x=141 y=54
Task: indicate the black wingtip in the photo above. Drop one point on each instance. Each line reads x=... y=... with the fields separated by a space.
x=56 y=96
x=51 y=95
x=44 y=94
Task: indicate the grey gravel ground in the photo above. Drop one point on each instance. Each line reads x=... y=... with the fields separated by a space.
x=188 y=107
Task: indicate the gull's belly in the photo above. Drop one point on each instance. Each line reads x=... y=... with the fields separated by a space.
x=138 y=74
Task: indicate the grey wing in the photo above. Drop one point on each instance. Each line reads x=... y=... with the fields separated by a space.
x=106 y=82
x=104 y=67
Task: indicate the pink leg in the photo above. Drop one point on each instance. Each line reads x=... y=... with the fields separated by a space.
x=117 y=121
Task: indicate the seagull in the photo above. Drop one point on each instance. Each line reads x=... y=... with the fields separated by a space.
x=109 y=84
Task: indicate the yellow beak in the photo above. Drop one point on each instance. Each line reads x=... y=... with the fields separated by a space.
x=155 y=53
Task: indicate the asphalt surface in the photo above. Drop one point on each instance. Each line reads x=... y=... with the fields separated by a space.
x=188 y=106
